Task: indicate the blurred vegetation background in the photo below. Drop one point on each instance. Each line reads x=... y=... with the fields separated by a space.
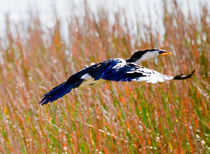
x=170 y=117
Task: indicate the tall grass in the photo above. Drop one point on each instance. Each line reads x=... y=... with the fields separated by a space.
x=170 y=117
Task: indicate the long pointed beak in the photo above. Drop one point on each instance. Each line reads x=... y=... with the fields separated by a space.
x=164 y=53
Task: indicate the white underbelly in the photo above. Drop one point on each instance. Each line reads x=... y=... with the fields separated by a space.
x=91 y=82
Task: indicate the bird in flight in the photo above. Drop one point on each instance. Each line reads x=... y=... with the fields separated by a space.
x=116 y=69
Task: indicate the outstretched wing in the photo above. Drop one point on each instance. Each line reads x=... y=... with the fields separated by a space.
x=94 y=71
x=133 y=72
x=111 y=70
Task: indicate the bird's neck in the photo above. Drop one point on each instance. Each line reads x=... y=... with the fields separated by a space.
x=139 y=57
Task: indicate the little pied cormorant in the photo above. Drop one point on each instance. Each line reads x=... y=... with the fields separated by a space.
x=116 y=69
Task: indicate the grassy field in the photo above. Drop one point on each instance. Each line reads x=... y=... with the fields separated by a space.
x=171 y=117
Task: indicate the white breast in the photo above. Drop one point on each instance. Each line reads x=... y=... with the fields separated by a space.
x=86 y=76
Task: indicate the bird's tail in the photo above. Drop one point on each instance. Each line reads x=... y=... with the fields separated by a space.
x=182 y=77
x=57 y=92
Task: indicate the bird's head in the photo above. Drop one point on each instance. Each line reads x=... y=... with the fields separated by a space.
x=140 y=56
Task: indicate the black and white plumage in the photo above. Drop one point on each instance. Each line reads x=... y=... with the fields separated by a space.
x=114 y=70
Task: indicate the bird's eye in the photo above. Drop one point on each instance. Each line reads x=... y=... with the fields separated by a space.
x=161 y=52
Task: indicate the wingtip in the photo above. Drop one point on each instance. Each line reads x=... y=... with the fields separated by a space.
x=44 y=103
x=45 y=100
x=41 y=102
